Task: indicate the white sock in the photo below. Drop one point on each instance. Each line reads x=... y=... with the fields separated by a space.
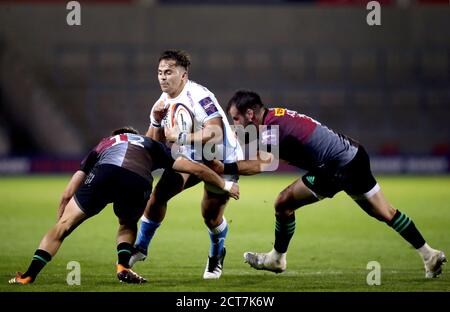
x=145 y=219
x=277 y=255
x=425 y=251
x=219 y=229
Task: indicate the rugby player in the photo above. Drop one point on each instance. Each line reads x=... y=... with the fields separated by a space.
x=210 y=126
x=334 y=163
x=119 y=171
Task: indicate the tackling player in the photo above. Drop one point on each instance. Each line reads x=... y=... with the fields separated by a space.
x=210 y=126
x=119 y=171
x=333 y=162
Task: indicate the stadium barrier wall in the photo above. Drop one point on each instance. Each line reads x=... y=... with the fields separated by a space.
x=380 y=165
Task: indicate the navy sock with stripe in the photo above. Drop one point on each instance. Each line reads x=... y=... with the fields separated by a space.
x=124 y=251
x=284 y=230
x=40 y=259
x=407 y=229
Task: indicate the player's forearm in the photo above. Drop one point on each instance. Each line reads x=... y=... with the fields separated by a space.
x=204 y=173
x=155 y=133
x=206 y=135
x=264 y=162
x=242 y=167
x=212 y=132
x=210 y=177
x=249 y=167
x=70 y=190
x=199 y=170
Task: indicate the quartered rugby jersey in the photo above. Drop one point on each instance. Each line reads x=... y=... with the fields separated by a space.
x=304 y=142
x=134 y=152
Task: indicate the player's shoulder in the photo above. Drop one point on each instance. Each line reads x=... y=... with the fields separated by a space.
x=274 y=113
x=198 y=91
x=105 y=141
x=147 y=140
x=151 y=144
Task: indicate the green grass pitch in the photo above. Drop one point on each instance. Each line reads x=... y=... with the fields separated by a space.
x=330 y=250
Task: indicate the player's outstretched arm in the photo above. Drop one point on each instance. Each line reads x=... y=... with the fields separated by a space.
x=246 y=167
x=249 y=167
x=212 y=132
x=74 y=183
x=204 y=173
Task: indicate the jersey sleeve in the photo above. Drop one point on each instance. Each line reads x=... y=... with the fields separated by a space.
x=161 y=156
x=89 y=161
x=206 y=107
x=270 y=137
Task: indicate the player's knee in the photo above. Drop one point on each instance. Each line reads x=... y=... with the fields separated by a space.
x=127 y=227
x=282 y=205
x=212 y=222
x=63 y=230
x=157 y=203
x=211 y=218
x=128 y=222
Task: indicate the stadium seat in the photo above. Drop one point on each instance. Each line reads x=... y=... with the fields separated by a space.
x=145 y=63
x=72 y=68
x=400 y=66
x=363 y=67
x=435 y=65
x=294 y=66
x=329 y=67
x=221 y=70
x=258 y=67
x=111 y=68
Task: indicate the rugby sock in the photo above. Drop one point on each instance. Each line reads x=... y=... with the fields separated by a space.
x=40 y=259
x=145 y=235
x=284 y=230
x=407 y=229
x=217 y=236
x=124 y=251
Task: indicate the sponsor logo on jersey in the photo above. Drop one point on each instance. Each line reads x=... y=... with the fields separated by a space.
x=208 y=105
x=280 y=112
x=89 y=178
x=269 y=137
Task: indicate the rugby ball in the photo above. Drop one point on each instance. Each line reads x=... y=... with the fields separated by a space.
x=181 y=116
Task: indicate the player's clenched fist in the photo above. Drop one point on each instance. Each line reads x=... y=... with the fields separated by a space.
x=157 y=113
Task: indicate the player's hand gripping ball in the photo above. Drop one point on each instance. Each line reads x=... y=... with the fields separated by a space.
x=178 y=120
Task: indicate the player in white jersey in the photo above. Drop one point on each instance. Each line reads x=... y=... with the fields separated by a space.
x=211 y=127
x=204 y=107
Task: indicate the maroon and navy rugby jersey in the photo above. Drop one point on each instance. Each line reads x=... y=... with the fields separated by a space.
x=304 y=142
x=134 y=152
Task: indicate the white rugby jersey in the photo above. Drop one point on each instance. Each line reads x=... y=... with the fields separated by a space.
x=204 y=106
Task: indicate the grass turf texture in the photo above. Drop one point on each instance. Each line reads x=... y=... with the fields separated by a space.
x=330 y=250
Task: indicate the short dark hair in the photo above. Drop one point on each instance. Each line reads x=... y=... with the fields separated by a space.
x=126 y=129
x=181 y=58
x=245 y=99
